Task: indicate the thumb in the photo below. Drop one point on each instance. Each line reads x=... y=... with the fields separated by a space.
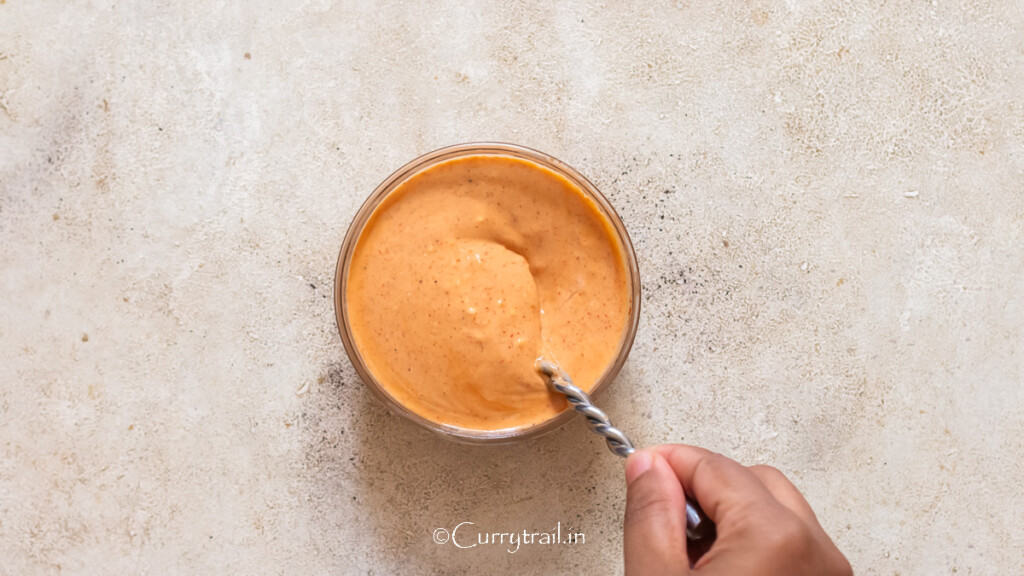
x=654 y=535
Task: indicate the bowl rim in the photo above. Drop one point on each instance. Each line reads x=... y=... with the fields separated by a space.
x=423 y=162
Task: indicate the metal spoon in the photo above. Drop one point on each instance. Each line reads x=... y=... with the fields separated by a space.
x=698 y=525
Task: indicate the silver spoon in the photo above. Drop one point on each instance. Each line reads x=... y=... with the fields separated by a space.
x=698 y=525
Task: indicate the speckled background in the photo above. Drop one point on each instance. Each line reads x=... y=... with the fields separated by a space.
x=827 y=203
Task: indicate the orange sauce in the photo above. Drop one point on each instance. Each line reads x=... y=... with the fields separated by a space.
x=468 y=272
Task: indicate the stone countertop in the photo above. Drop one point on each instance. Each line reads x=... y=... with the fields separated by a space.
x=826 y=199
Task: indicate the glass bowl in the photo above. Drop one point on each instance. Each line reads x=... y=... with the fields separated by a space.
x=422 y=163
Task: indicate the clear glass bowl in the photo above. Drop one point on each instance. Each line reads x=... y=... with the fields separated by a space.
x=426 y=161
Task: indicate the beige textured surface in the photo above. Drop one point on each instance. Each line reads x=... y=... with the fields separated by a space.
x=827 y=201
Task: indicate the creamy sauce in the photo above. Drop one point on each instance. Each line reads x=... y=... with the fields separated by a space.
x=470 y=270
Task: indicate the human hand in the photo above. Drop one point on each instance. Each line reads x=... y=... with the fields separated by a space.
x=765 y=527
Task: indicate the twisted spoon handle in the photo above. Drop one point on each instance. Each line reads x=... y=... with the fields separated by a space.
x=698 y=525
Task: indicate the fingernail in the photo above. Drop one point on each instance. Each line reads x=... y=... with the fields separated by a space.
x=637 y=464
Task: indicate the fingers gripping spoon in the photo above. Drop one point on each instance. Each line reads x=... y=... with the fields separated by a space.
x=698 y=525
